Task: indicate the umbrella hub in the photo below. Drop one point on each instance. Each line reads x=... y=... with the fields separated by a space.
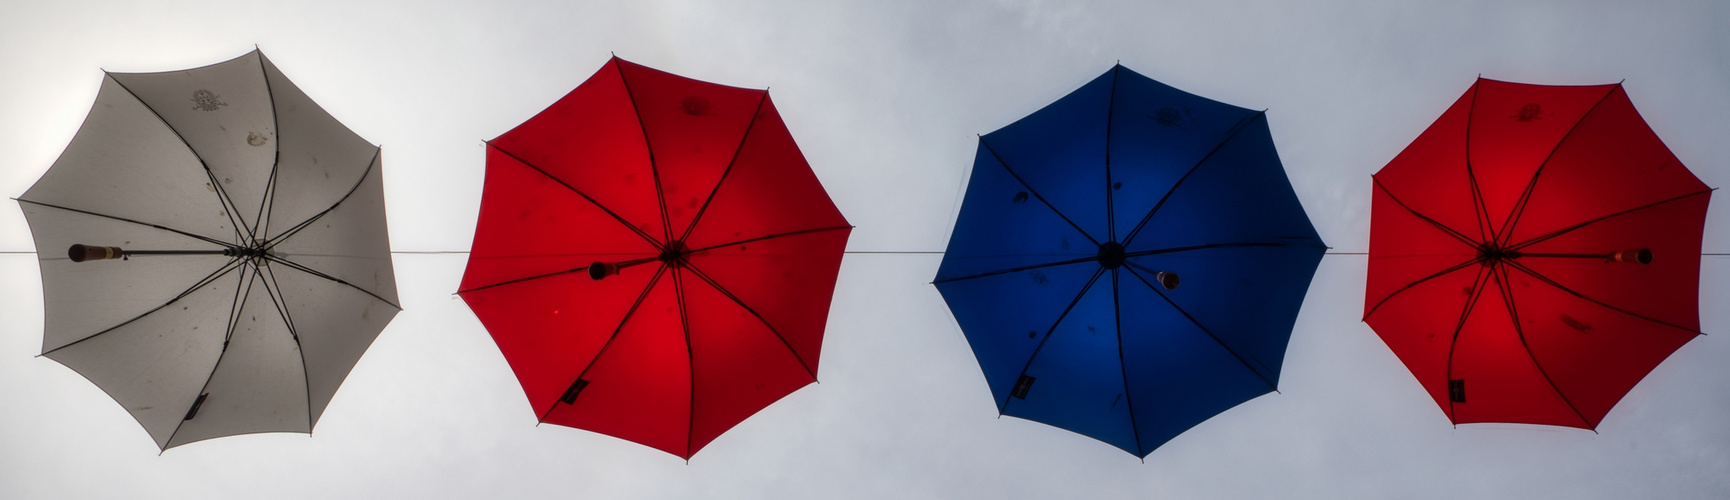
x=1492 y=253
x=1110 y=255
x=674 y=254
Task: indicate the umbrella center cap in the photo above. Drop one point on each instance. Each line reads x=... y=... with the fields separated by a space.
x=1494 y=254
x=1110 y=255
x=674 y=254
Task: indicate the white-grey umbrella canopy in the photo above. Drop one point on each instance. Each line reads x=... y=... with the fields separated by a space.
x=255 y=334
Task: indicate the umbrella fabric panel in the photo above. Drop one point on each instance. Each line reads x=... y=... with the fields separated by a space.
x=1672 y=231
x=259 y=381
x=1158 y=134
x=1431 y=176
x=1513 y=130
x=639 y=386
x=1222 y=286
x=318 y=161
x=1238 y=195
x=757 y=276
x=84 y=299
x=1077 y=371
x=1501 y=378
x=739 y=363
x=1003 y=226
x=1178 y=373
x=1059 y=152
x=1006 y=316
x=768 y=190
x=591 y=140
x=169 y=356
x=1406 y=251
x=155 y=179
x=349 y=242
x=333 y=325
x=224 y=113
x=694 y=130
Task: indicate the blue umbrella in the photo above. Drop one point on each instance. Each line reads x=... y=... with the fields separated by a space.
x=1129 y=261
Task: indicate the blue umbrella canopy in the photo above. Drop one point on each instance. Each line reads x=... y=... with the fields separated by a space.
x=1129 y=261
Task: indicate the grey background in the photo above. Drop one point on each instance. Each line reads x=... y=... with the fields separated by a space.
x=884 y=97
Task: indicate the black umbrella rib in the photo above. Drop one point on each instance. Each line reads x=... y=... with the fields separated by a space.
x=1540 y=277
x=1110 y=206
x=728 y=171
x=1034 y=192
x=201 y=283
x=228 y=205
x=603 y=350
x=1018 y=269
x=1218 y=245
x=315 y=272
x=1566 y=230
x=660 y=196
x=1468 y=241
x=690 y=360
x=1479 y=209
x=1192 y=320
x=278 y=299
x=233 y=319
x=1525 y=197
x=123 y=219
x=1409 y=286
x=1454 y=341
x=1122 y=367
x=711 y=281
x=1514 y=314
x=770 y=237
x=1003 y=408
x=1235 y=129
x=268 y=204
x=652 y=241
x=315 y=217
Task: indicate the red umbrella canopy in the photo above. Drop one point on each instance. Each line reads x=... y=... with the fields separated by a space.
x=1535 y=253
x=654 y=257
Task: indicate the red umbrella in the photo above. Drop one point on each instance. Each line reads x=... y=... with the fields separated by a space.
x=654 y=257
x=1535 y=253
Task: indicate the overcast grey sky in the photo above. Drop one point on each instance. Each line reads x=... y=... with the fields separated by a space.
x=885 y=98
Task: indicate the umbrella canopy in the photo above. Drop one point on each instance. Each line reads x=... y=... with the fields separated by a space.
x=1535 y=253
x=228 y=259
x=654 y=257
x=1129 y=261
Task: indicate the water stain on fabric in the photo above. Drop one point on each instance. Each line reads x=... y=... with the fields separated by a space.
x=1576 y=324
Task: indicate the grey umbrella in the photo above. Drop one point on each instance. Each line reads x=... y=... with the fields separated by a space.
x=213 y=251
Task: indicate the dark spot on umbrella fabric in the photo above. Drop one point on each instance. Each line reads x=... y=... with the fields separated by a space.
x=1032 y=334
x=1168 y=117
x=1039 y=277
x=254 y=139
x=696 y=105
x=1116 y=186
x=1466 y=291
x=1528 y=112
x=1020 y=197
x=1576 y=324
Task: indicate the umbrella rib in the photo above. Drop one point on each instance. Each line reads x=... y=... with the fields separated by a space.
x=1479 y=209
x=660 y=196
x=615 y=216
x=1192 y=320
x=201 y=283
x=1003 y=408
x=1235 y=129
x=1122 y=367
x=1520 y=206
x=690 y=360
x=1110 y=207
x=1566 y=230
x=728 y=171
x=1444 y=228
x=1534 y=273
x=1390 y=296
x=315 y=217
x=1216 y=245
x=278 y=299
x=123 y=219
x=1034 y=192
x=603 y=350
x=520 y=280
x=711 y=281
x=1454 y=342
x=216 y=185
x=233 y=319
x=770 y=237
x=1018 y=269
x=268 y=204
x=1501 y=275
x=315 y=272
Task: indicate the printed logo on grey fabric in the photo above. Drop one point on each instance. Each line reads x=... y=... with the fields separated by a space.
x=204 y=100
x=1529 y=112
